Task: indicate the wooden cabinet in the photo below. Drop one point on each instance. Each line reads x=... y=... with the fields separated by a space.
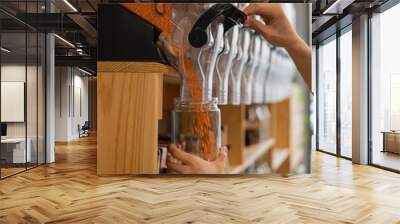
x=129 y=107
x=391 y=142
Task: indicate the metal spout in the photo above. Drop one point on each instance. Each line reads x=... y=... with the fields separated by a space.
x=261 y=73
x=247 y=78
x=217 y=49
x=225 y=61
x=239 y=65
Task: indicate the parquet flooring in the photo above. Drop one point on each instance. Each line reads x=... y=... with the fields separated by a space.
x=70 y=192
x=10 y=171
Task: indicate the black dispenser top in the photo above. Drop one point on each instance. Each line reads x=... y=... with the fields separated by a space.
x=198 y=35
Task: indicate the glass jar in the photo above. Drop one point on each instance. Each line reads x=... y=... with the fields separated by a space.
x=196 y=127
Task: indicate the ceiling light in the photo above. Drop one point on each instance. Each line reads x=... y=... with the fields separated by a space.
x=329 y=9
x=5 y=50
x=79 y=51
x=337 y=7
x=70 y=5
x=84 y=71
x=65 y=41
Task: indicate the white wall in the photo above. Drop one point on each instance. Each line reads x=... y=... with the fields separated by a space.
x=70 y=94
x=15 y=73
x=62 y=82
x=33 y=126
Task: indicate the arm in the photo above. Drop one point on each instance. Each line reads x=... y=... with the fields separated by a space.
x=302 y=56
x=278 y=31
x=186 y=163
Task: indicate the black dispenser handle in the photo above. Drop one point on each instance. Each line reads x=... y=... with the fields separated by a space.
x=198 y=35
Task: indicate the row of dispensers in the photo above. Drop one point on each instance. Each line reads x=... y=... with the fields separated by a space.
x=234 y=63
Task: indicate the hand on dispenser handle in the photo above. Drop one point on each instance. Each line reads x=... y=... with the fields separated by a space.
x=278 y=31
x=186 y=163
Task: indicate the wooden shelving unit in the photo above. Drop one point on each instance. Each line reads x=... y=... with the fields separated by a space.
x=251 y=125
x=132 y=96
x=279 y=158
x=279 y=137
x=251 y=154
x=131 y=99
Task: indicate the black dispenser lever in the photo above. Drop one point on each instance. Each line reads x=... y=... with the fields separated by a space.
x=232 y=15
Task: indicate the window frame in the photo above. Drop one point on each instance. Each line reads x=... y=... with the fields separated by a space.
x=378 y=10
x=31 y=30
x=334 y=37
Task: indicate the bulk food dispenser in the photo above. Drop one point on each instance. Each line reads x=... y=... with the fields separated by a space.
x=193 y=75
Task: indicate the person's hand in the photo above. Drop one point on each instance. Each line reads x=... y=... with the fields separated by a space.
x=186 y=163
x=277 y=29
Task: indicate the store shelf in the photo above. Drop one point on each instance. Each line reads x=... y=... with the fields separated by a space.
x=252 y=125
x=279 y=157
x=172 y=78
x=297 y=157
x=252 y=154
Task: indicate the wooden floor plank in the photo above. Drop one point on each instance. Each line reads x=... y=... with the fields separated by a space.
x=69 y=191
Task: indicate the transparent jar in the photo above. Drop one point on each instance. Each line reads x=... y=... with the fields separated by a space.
x=196 y=127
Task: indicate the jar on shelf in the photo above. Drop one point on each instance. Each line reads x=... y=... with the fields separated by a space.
x=196 y=127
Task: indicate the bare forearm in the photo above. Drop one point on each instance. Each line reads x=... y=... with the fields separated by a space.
x=301 y=54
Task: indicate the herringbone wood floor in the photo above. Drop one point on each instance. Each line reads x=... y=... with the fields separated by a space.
x=70 y=192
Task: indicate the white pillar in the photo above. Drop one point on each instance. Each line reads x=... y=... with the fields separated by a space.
x=360 y=90
x=50 y=99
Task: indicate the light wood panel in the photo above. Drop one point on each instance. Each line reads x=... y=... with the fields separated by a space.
x=92 y=107
x=69 y=191
x=129 y=106
x=232 y=117
x=133 y=66
x=130 y=96
x=130 y=99
x=280 y=127
x=170 y=92
x=280 y=123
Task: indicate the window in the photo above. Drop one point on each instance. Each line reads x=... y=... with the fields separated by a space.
x=385 y=89
x=346 y=93
x=22 y=77
x=327 y=96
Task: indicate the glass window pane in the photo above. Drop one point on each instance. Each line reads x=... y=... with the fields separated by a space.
x=31 y=101
x=41 y=98
x=327 y=97
x=23 y=89
x=346 y=94
x=32 y=90
x=385 y=114
x=13 y=88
